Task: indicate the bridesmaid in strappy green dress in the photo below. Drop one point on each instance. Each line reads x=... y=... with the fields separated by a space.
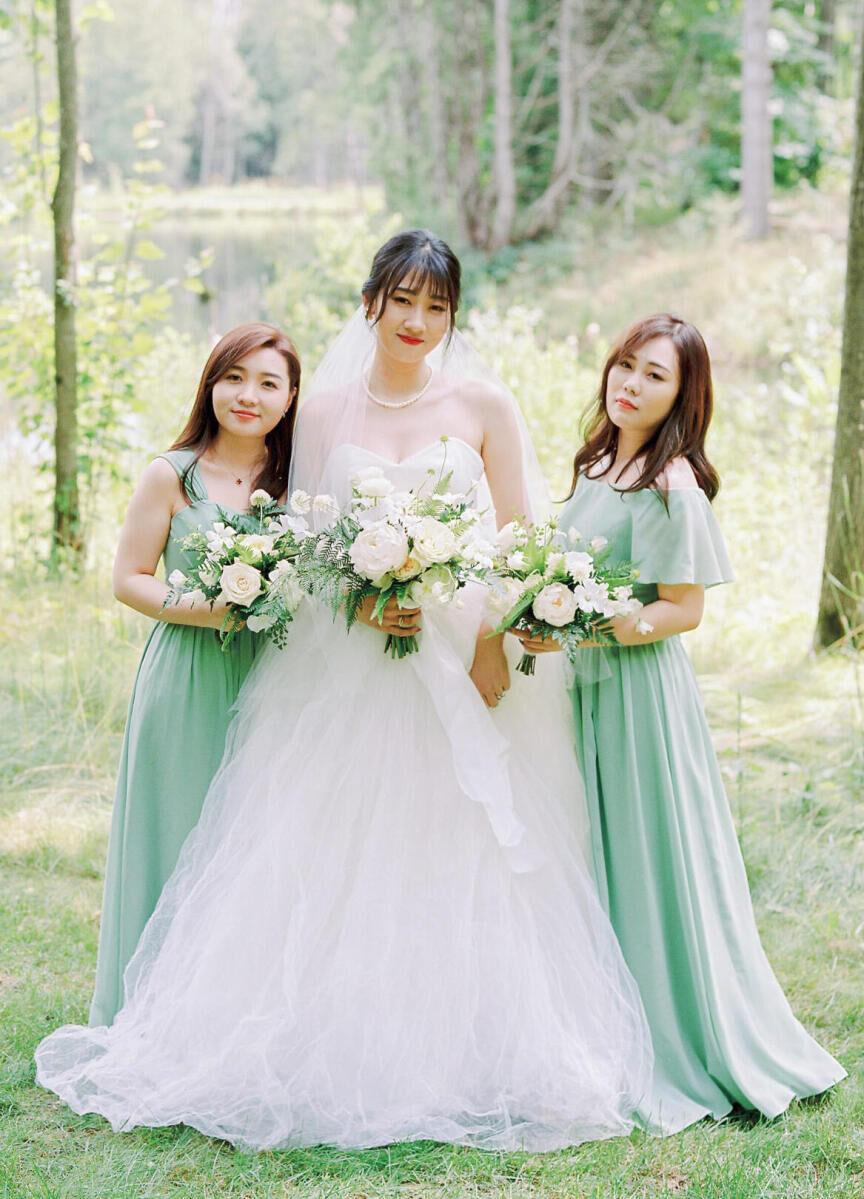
x=237 y=438
x=666 y=857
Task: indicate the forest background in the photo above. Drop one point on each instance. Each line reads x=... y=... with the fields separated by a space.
x=239 y=159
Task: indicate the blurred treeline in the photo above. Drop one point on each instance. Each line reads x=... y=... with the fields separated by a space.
x=609 y=103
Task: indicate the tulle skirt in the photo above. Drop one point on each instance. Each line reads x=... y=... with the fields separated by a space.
x=383 y=928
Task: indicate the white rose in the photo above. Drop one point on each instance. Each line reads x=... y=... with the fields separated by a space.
x=380 y=549
x=435 y=586
x=434 y=541
x=554 y=564
x=555 y=604
x=374 y=489
x=240 y=583
x=301 y=501
x=598 y=543
x=256 y=543
x=176 y=578
x=580 y=567
x=260 y=498
x=503 y=594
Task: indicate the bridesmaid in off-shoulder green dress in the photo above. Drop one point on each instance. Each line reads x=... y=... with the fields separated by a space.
x=237 y=438
x=666 y=856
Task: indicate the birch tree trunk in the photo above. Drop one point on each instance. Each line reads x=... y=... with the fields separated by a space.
x=503 y=168
x=67 y=517
x=757 y=162
x=827 y=21
x=841 y=605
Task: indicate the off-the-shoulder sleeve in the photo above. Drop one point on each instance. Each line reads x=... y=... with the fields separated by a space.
x=683 y=545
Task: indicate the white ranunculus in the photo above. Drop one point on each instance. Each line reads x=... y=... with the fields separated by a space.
x=176 y=578
x=256 y=543
x=502 y=595
x=554 y=564
x=555 y=604
x=301 y=501
x=379 y=549
x=434 y=541
x=260 y=498
x=580 y=567
x=436 y=585
x=240 y=583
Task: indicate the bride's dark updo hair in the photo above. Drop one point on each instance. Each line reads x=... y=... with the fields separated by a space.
x=421 y=257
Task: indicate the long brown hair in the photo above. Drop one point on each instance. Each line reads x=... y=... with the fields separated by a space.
x=682 y=433
x=202 y=427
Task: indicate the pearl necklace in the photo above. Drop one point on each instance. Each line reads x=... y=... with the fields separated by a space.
x=400 y=403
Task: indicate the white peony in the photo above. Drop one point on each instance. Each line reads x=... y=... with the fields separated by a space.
x=240 y=583
x=380 y=549
x=580 y=567
x=301 y=501
x=434 y=541
x=555 y=604
x=260 y=498
x=408 y=570
x=436 y=585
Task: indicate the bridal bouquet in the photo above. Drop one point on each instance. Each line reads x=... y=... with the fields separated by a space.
x=248 y=560
x=419 y=546
x=542 y=584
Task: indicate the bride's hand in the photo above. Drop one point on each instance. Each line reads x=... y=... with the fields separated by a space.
x=397 y=622
x=489 y=672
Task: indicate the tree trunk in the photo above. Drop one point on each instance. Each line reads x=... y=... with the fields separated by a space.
x=757 y=161
x=67 y=517
x=841 y=605
x=503 y=168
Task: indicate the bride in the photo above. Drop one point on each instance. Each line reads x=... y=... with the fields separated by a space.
x=383 y=927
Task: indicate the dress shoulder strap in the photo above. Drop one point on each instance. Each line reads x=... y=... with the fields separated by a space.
x=186 y=466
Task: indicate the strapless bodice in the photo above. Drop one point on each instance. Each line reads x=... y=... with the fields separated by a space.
x=451 y=456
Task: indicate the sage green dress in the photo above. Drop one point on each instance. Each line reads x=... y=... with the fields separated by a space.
x=175 y=735
x=665 y=852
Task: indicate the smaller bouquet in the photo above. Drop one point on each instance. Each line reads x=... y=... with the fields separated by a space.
x=542 y=584
x=419 y=546
x=248 y=560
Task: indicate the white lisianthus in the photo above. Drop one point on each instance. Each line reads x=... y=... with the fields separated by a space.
x=260 y=498
x=434 y=541
x=516 y=560
x=257 y=623
x=580 y=567
x=554 y=564
x=409 y=569
x=176 y=578
x=288 y=524
x=598 y=543
x=301 y=501
x=256 y=543
x=555 y=604
x=375 y=488
x=379 y=549
x=240 y=583
x=436 y=585
x=643 y=627
x=503 y=595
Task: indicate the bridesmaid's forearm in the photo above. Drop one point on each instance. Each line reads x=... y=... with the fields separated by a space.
x=147 y=595
x=665 y=618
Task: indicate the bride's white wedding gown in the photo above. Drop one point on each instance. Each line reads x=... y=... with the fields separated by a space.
x=383 y=928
